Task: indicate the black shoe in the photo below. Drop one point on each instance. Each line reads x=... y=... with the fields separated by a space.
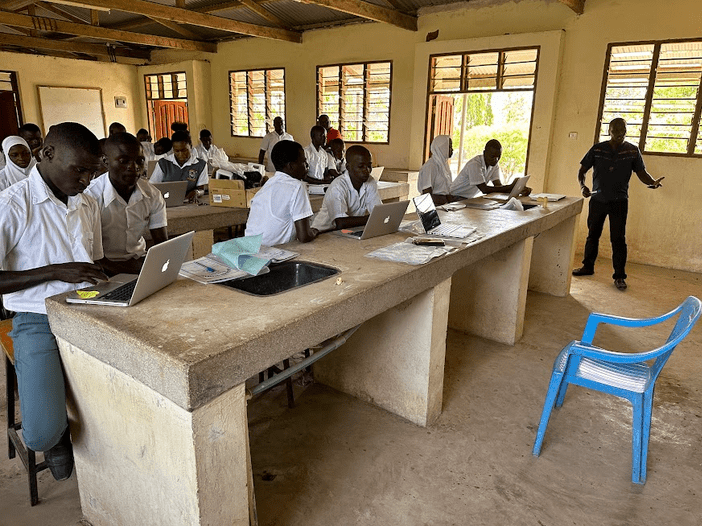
x=60 y=457
x=583 y=271
x=620 y=283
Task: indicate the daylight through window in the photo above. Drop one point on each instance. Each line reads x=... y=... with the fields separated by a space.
x=256 y=98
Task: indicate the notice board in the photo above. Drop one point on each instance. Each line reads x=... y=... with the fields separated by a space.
x=62 y=104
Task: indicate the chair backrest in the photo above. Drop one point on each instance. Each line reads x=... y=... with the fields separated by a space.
x=689 y=312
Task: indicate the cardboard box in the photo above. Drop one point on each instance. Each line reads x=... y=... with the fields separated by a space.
x=230 y=193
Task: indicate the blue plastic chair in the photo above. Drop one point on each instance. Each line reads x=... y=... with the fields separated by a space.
x=627 y=375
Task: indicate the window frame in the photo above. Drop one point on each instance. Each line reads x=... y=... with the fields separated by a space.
x=650 y=88
x=268 y=118
x=430 y=93
x=365 y=105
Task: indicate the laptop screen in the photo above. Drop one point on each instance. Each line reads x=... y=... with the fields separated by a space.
x=427 y=211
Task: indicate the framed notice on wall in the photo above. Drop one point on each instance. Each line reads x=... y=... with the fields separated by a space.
x=64 y=104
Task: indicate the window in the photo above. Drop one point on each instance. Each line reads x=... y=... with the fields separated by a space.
x=356 y=97
x=166 y=102
x=475 y=97
x=256 y=97
x=655 y=87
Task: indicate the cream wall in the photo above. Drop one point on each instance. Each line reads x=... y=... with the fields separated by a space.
x=114 y=79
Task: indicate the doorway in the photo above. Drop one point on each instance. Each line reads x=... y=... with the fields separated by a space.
x=10 y=107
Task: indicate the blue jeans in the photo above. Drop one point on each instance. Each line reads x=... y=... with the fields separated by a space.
x=42 y=391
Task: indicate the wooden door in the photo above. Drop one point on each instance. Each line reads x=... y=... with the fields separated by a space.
x=10 y=119
x=165 y=113
x=439 y=120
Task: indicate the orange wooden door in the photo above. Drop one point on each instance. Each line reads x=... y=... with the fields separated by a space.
x=440 y=119
x=165 y=113
x=9 y=114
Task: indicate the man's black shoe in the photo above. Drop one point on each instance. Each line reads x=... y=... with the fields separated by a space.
x=583 y=271
x=60 y=457
x=620 y=284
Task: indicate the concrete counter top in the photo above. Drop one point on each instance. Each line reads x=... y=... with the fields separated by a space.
x=192 y=342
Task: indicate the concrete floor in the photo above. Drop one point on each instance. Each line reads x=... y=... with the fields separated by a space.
x=336 y=461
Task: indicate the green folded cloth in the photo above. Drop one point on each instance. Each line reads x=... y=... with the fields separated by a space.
x=239 y=253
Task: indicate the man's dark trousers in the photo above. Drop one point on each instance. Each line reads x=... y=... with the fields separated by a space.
x=617 y=212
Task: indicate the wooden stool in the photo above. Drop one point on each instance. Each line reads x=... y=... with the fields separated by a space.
x=14 y=442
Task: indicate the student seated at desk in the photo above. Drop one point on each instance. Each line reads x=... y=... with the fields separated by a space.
x=31 y=133
x=281 y=210
x=145 y=139
x=162 y=148
x=182 y=165
x=210 y=153
x=128 y=205
x=322 y=168
x=473 y=179
x=352 y=196
x=19 y=161
x=271 y=139
x=435 y=174
x=338 y=149
x=50 y=237
x=116 y=127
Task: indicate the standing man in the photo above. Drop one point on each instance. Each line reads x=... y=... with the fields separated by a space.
x=612 y=162
x=323 y=121
x=270 y=140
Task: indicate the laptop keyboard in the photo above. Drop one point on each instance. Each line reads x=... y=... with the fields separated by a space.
x=121 y=293
x=449 y=230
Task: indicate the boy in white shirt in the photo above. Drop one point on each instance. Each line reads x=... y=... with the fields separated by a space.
x=270 y=140
x=322 y=168
x=281 y=210
x=128 y=205
x=50 y=237
x=337 y=148
x=210 y=153
x=352 y=196
x=473 y=179
x=145 y=139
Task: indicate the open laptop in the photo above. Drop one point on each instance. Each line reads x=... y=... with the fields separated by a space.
x=426 y=210
x=377 y=172
x=150 y=167
x=517 y=189
x=173 y=192
x=160 y=269
x=383 y=219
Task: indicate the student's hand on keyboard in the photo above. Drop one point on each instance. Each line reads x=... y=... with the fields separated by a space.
x=78 y=272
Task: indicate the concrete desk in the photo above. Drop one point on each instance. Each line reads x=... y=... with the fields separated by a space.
x=204 y=219
x=160 y=431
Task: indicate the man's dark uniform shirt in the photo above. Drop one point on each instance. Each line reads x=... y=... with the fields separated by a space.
x=612 y=169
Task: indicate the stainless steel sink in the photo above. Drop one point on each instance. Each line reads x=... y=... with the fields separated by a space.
x=283 y=277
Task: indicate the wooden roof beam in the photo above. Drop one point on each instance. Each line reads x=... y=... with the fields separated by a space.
x=70 y=47
x=183 y=31
x=59 y=26
x=15 y=5
x=370 y=11
x=193 y=18
x=60 y=12
x=576 y=5
x=265 y=13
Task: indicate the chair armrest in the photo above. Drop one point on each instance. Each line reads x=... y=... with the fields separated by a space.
x=589 y=351
x=596 y=318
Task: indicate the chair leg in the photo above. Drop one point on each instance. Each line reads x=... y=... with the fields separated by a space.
x=553 y=389
x=289 y=385
x=561 y=394
x=10 y=382
x=32 y=477
x=645 y=434
x=636 y=436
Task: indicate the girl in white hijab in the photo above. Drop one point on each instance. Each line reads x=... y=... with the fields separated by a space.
x=435 y=175
x=19 y=161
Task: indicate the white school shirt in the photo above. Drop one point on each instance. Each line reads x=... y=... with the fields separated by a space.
x=202 y=180
x=342 y=200
x=319 y=161
x=270 y=140
x=149 y=152
x=123 y=223
x=214 y=155
x=475 y=172
x=275 y=208
x=37 y=230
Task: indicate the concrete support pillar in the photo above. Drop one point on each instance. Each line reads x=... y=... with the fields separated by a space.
x=141 y=459
x=396 y=360
x=552 y=259
x=488 y=298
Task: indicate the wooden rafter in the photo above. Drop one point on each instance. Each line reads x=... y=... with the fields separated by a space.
x=70 y=28
x=184 y=16
x=576 y=5
x=395 y=4
x=369 y=11
x=183 y=31
x=265 y=13
x=14 y=5
x=58 y=11
x=70 y=47
x=94 y=17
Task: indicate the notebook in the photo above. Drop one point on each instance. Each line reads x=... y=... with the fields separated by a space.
x=518 y=188
x=173 y=192
x=161 y=267
x=383 y=219
x=426 y=210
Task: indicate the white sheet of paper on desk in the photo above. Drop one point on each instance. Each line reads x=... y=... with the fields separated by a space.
x=210 y=269
x=407 y=252
x=452 y=207
x=276 y=255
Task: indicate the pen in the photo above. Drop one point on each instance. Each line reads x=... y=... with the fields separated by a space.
x=209 y=269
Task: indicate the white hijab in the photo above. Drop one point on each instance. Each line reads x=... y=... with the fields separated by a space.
x=440 y=153
x=13 y=173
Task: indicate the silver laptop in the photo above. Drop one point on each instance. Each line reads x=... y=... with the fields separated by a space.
x=383 y=219
x=160 y=269
x=428 y=215
x=517 y=189
x=377 y=172
x=173 y=192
